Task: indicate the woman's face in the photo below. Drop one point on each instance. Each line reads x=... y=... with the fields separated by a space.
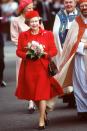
x=34 y=23
x=28 y=8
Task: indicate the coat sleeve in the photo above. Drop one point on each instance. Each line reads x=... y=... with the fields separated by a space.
x=20 y=48
x=14 y=32
x=52 y=50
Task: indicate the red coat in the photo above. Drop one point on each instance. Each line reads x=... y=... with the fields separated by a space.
x=34 y=82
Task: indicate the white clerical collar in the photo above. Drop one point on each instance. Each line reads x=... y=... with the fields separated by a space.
x=75 y=12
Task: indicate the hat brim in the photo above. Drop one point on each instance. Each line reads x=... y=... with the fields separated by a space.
x=27 y=20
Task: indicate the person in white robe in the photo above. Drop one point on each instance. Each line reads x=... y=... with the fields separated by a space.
x=62 y=24
x=18 y=25
x=80 y=74
x=73 y=65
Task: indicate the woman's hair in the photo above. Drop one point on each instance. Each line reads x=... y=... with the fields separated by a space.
x=28 y=20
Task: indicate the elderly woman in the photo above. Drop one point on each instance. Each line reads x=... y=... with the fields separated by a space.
x=18 y=25
x=34 y=83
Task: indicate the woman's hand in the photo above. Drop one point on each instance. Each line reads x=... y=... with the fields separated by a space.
x=46 y=56
x=34 y=58
x=28 y=56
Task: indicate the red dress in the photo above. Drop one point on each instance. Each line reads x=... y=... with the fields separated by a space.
x=34 y=82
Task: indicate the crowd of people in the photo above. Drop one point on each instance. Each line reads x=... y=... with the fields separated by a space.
x=44 y=30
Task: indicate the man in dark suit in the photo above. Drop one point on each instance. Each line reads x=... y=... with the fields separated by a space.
x=43 y=7
x=2 y=65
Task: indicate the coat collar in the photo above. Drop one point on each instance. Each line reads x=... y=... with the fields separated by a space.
x=41 y=32
x=74 y=12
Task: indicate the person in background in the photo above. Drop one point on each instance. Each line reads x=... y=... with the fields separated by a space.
x=74 y=60
x=62 y=24
x=2 y=64
x=80 y=66
x=34 y=82
x=18 y=25
x=62 y=4
x=44 y=9
x=56 y=6
x=9 y=10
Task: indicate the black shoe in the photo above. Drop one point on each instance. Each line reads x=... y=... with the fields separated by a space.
x=41 y=127
x=46 y=119
x=31 y=110
x=82 y=116
x=3 y=84
x=46 y=122
x=71 y=105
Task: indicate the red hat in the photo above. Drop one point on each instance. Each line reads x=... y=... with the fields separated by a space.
x=23 y=4
x=80 y=1
x=31 y=14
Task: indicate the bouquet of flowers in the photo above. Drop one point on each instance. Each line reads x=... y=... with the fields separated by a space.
x=35 y=50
